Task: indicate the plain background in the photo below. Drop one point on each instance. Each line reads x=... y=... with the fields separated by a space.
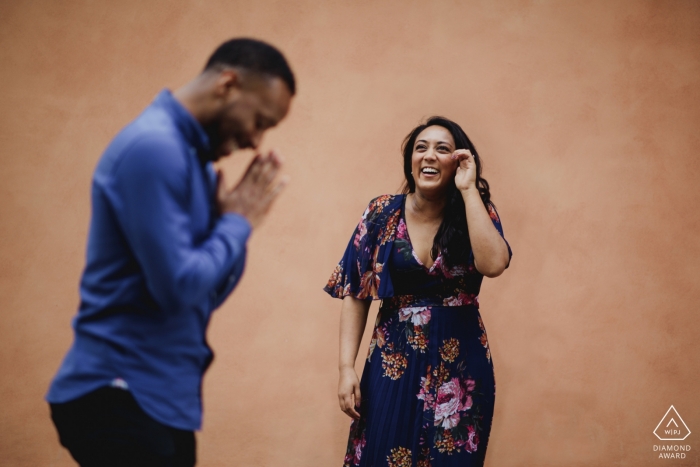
x=586 y=113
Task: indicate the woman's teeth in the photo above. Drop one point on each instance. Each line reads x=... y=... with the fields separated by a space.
x=429 y=170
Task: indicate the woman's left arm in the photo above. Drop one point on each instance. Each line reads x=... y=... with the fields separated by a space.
x=490 y=250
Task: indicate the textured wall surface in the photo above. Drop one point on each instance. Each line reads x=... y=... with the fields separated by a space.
x=587 y=117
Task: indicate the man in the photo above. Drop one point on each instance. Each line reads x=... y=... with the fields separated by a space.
x=167 y=244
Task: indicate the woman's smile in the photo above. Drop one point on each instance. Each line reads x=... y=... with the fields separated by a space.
x=430 y=172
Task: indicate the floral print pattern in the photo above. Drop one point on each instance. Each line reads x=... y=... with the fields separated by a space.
x=400 y=457
x=393 y=363
x=449 y=350
x=428 y=377
x=417 y=319
x=484 y=340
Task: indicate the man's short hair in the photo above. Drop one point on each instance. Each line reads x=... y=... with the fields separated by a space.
x=255 y=56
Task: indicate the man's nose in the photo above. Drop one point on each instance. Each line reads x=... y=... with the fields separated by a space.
x=256 y=139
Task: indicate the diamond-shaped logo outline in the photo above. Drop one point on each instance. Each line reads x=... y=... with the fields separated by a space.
x=680 y=418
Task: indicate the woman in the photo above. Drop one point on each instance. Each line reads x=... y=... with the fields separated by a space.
x=427 y=391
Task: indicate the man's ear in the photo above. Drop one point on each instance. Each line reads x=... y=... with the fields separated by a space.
x=228 y=81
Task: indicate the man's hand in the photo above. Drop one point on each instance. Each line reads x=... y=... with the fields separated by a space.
x=254 y=194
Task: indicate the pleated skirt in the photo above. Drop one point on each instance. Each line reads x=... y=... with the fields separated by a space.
x=427 y=389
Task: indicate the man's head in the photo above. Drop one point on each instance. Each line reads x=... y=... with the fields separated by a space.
x=252 y=87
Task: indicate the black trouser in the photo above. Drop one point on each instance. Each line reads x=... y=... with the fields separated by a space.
x=107 y=428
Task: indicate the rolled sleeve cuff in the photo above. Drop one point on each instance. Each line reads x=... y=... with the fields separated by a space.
x=236 y=225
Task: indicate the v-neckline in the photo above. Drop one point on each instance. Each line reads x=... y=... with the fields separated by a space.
x=410 y=243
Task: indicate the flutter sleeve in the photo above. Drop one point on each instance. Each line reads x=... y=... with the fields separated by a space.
x=362 y=271
x=497 y=223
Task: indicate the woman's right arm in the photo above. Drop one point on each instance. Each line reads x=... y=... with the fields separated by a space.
x=353 y=318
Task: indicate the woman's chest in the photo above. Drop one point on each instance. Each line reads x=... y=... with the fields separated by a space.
x=420 y=237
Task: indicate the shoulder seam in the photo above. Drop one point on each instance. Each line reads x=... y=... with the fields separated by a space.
x=137 y=139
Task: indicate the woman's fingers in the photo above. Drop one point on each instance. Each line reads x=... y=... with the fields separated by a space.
x=356 y=398
x=462 y=154
x=352 y=411
x=349 y=401
x=346 y=405
x=464 y=157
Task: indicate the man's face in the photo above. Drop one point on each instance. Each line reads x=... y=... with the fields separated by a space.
x=259 y=103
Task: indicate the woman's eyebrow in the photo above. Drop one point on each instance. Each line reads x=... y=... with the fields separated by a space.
x=439 y=142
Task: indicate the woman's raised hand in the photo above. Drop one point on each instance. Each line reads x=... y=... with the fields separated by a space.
x=465 y=177
x=349 y=392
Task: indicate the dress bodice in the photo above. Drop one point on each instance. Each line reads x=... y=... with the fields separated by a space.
x=458 y=285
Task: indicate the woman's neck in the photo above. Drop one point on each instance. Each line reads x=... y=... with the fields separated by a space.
x=426 y=207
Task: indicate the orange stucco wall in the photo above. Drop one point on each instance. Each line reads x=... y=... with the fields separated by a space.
x=587 y=115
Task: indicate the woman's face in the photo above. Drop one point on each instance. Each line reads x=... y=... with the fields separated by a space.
x=432 y=164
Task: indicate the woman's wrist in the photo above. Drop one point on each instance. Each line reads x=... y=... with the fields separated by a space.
x=468 y=191
x=346 y=366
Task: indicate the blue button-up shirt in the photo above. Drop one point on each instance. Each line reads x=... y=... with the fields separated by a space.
x=159 y=261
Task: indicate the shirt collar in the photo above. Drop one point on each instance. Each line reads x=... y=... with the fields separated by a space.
x=190 y=128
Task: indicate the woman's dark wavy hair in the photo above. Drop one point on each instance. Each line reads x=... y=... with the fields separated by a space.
x=452 y=238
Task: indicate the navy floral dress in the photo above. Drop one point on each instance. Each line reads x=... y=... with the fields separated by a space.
x=428 y=386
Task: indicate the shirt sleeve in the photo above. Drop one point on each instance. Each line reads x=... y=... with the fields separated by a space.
x=497 y=223
x=150 y=193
